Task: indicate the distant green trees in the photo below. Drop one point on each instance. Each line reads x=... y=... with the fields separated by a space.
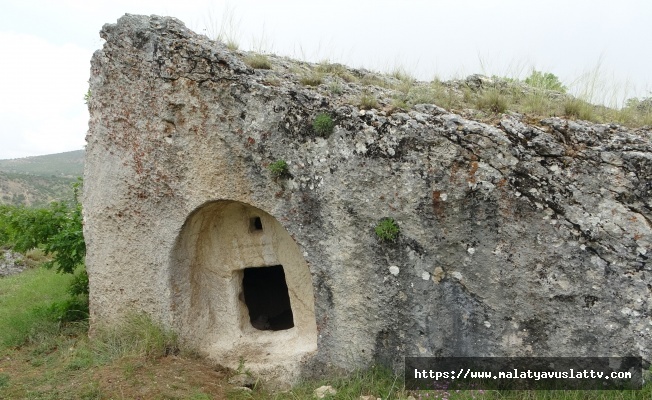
x=56 y=229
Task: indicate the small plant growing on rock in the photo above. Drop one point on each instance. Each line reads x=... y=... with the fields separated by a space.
x=278 y=169
x=323 y=124
x=387 y=229
x=368 y=101
x=312 y=79
x=400 y=104
x=493 y=101
x=576 y=108
x=272 y=81
x=258 y=61
x=231 y=44
x=335 y=88
x=339 y=70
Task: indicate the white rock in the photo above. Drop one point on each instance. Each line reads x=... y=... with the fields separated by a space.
x=394 y=270
x=322 y=391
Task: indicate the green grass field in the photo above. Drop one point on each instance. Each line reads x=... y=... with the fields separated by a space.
x=26 y=302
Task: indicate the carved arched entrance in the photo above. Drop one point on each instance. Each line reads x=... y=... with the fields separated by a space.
x=241 y=288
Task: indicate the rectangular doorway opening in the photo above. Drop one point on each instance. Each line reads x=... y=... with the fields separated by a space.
x=267 y=299
x=255 y=224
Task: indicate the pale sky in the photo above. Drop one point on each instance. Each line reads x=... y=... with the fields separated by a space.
x=46 y=46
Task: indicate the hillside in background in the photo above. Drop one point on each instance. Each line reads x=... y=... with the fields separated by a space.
x=69 y=164
x=36 y=181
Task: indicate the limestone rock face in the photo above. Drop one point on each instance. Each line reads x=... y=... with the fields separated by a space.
x=515 y=239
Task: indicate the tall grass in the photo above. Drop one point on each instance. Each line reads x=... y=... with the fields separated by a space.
x=45 y=356
x=339 y=70
x=35 y=307
x=30 y=306
x=135 y=336
x=227 y=30
x=312 y=79
x=493 y=101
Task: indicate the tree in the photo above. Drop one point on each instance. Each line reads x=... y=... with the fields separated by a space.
x=549 y=81
x=57 y=229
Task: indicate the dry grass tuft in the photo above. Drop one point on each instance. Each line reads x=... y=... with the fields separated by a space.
x=258 y=61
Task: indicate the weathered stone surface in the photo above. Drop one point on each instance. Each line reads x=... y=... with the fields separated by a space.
x=242 y=380
x=535 y=239
x=11 y=263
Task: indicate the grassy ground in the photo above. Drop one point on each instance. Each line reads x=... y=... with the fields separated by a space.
x=43 y=355
x=46 y=354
